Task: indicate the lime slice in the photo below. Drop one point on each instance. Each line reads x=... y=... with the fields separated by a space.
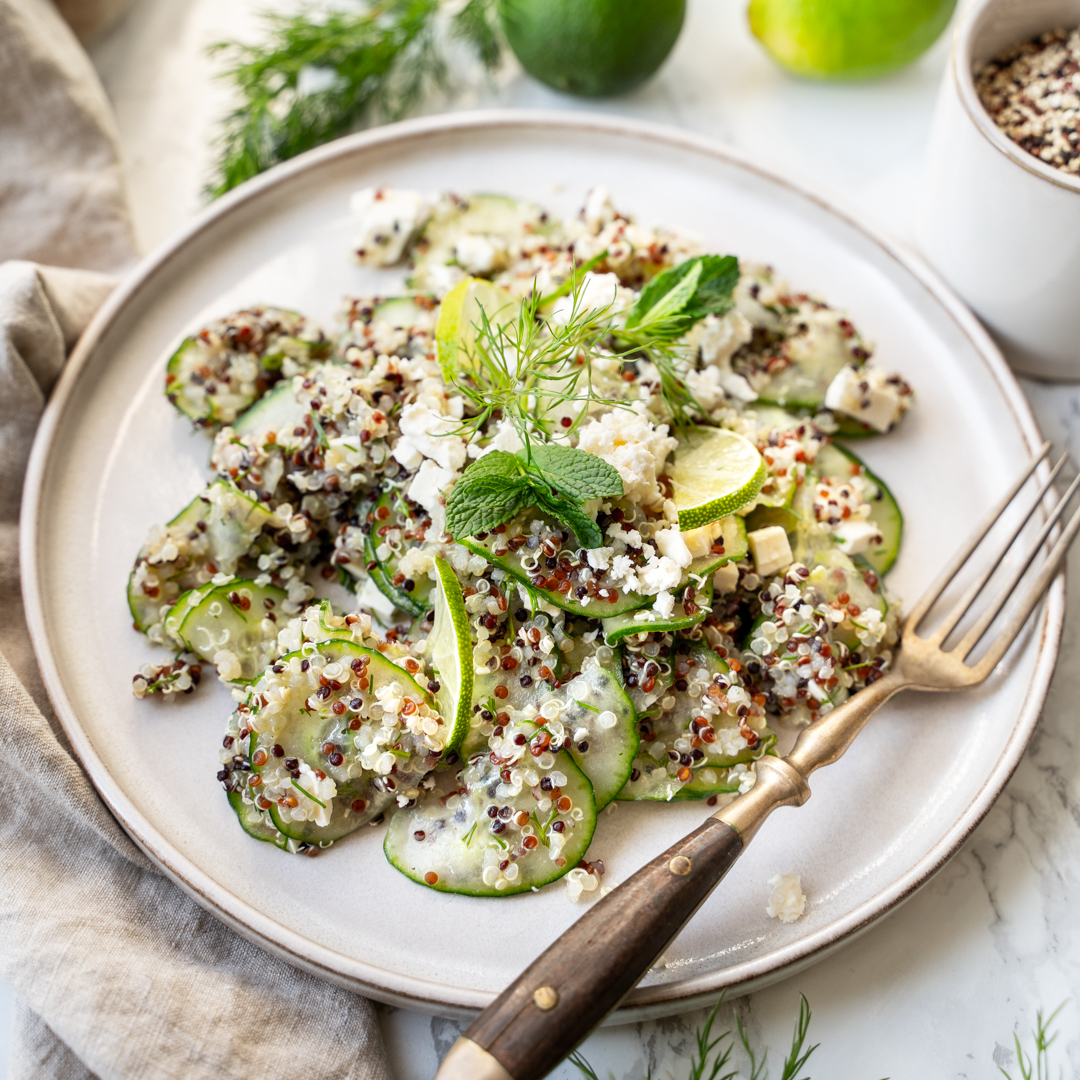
x=451 y=652
x=459 y=315
x=713 y=474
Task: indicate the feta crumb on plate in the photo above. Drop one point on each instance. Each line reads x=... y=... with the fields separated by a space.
x=787 y=900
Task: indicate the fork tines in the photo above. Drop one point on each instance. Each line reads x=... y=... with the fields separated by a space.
x=1002 y=593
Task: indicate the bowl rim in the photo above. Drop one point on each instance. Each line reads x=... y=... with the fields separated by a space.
x=961 y=67
x=410 y=991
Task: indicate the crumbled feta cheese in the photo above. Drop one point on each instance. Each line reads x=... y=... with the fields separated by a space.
x=635 y=446
x=600 y=558
x=855 y=536
x=429 y=434
x=664 y=605
x=599 y=210
x=596 y=291
x=726 y=579
x=770 y=550
x=506 y=438
x=869 y=395
x=370 y=598
x=670 y=543
x=431 y=482
x=478 y=254
x=388 y=219
x=658 y=575
x=786 y=901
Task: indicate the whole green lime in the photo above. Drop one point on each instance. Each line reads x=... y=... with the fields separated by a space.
x=592 y=48
x=848 y=39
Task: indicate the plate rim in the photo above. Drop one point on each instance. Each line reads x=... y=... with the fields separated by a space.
x=422 y=994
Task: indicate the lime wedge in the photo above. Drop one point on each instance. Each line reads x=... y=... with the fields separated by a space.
x=451 y=652
x=459 y=315
x=713 y=474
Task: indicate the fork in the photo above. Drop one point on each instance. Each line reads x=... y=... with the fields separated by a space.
x=570 y=988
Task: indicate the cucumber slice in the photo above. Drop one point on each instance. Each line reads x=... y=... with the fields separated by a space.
x=600 y=720
x=714 y=473
x=701 y=770
x=692 y=605
x=216 y=374
x=816 y=358
x=520 y=561
x=338 y=770
x=451 y=650
x=209 y=536
x=840 y=463
x=433 y=254
x=391 y=519
x=233 y=618
x=257 y=823
x=277 y=412
x=496 y=829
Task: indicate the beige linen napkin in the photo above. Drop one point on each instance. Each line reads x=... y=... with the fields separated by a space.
x=119 y=974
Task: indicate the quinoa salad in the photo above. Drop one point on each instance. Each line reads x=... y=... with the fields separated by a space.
x=591 y=495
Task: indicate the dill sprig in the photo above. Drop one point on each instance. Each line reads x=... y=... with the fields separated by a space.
x=712 y=1053
x=1037 y=1068
x=320 y=74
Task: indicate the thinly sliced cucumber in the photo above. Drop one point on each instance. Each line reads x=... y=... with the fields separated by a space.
x=210 y=535
x=229 y=625
x=323 y=772
x=840 y=463
x=702 y=770
x=277 y=412
x=257 y=823
x=833 y=574
x=714 y=473
x=434 y=254
x=450 y=648
x=404 y=312
x=497 y=548
x=391 y=518
x=600 y=720
x=817 y=357
x=218 y=373
x=692 y=605
x=178 y=612
x=496 y=829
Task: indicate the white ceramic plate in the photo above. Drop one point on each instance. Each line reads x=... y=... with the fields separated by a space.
x=112 y=458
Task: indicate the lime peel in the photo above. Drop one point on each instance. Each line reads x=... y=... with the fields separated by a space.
x=715 y=472
x=459 y=314
x=450 y=650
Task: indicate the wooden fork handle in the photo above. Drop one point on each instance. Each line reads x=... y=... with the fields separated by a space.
x=580 y=978
x=567 y=990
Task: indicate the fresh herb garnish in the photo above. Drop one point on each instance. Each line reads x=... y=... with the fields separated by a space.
x=318 y=75
x=556 y=479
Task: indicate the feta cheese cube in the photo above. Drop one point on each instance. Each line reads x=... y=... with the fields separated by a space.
x=787 y=900
x=478 y=254
x=388 y=219
x=726 y=579
x=866 y=395
x=770 y=550
x=699 y=542
x=856 y=535
x=669 y=542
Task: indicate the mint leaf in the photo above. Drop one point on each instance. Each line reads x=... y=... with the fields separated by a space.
x=669 y=305
x=494 y=463
x=578 y=475
x=479 y=503
x=567 y=513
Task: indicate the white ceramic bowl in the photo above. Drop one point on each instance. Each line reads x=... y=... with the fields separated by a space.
x=1001 y=226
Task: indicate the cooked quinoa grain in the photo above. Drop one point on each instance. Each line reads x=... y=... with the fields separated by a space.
x=1033 y=94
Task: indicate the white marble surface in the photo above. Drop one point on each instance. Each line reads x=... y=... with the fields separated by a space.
x=937 y=988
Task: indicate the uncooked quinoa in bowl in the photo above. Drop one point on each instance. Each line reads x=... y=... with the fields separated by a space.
x=591 y=494
x=1032 y=92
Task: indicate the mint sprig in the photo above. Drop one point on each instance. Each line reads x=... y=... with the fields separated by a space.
x=677 y=298
x=555 y=479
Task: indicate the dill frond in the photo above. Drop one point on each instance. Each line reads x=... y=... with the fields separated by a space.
x=318 y=75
